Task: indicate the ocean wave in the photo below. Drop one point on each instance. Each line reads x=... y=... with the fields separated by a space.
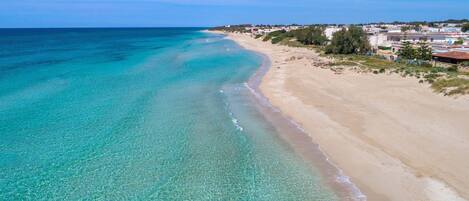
x=234 y=120
x=236 y=123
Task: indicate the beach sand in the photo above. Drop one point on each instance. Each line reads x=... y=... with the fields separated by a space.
x=395 y=138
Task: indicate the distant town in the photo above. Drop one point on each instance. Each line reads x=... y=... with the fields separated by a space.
x=448 y=40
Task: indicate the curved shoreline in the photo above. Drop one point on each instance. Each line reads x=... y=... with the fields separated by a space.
x=302 y=142
x=394 y=137
x=296 y=136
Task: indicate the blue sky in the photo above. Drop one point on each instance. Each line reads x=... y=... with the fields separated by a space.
x=164 y=13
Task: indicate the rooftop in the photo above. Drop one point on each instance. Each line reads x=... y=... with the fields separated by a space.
x=453 y=55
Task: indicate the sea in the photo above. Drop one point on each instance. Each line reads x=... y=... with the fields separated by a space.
x=141 y=114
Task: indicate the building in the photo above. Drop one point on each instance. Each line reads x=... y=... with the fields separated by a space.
x=379 y=40
x=417 y=37
x=329 y=31
x=454 y=57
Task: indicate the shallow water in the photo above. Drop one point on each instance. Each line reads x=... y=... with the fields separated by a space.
x=139 y=114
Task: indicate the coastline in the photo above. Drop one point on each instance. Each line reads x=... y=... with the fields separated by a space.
x=292 y=133
x=301 y=142
x=391 y=142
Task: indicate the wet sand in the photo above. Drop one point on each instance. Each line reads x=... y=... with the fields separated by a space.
x=394 y=137
x=290 y=132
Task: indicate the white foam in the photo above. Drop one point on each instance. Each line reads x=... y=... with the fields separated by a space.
x=234 y=120
x=341 y=178
x=236 y=123
x=439 y=191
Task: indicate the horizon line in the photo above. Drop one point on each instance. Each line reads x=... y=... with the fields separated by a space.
x=110 y=27
x=309 y=24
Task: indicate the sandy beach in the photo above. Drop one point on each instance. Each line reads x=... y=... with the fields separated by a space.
x=395 y=138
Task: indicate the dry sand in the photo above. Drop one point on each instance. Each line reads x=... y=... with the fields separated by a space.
x=395 y=138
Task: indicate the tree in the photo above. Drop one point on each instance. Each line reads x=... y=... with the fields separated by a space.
x=351 y=41
x=302 y=35
x=423 y=52
x=460 y=41
x=340 y=43
x=318 y=36
x=465 y=27
x=310 y=36
x=360 y=40
x=405 y=28
x=406 y=51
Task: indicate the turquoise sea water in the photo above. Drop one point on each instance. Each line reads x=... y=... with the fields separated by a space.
x=138 y=114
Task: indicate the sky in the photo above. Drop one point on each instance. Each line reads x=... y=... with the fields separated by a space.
x=207 y=13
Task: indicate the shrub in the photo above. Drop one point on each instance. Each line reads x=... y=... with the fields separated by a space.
x=465 y=63
x=351 y=41
x=453 y=68
x=276 y=33
x=277 y=39
x=310 y=36
x=451 y=86
x=384 y=48
x=460 y=41
x=465 y=27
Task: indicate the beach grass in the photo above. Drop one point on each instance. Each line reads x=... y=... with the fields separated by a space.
x=452 y=86
x=446 y=80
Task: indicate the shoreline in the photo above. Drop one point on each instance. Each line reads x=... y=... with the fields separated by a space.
x=292 y=133
x=398 y=162
x=301 y=142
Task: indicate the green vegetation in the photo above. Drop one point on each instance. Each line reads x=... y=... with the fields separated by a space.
x=448 y=81
x=460 y=41
x=278 y=40
x=452 y=86
x=276 y=36
x=406 y=51
x=384 y=48
x=304 y=36
x=350 y=47
x=234 y=28
x=465 y=64
x=279 y=33
x=465 y=27
x=422 y=52
x=405 y=28
x=416 y=27
x=351 y=41
x=310 y=36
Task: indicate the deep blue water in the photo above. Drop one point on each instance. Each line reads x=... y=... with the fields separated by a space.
x=138 y=114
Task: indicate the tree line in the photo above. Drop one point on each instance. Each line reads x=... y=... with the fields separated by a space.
x=306 y=36
x=346 y=41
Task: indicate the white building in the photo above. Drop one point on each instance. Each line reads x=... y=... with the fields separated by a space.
x=329 y=31
x=379 y=40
